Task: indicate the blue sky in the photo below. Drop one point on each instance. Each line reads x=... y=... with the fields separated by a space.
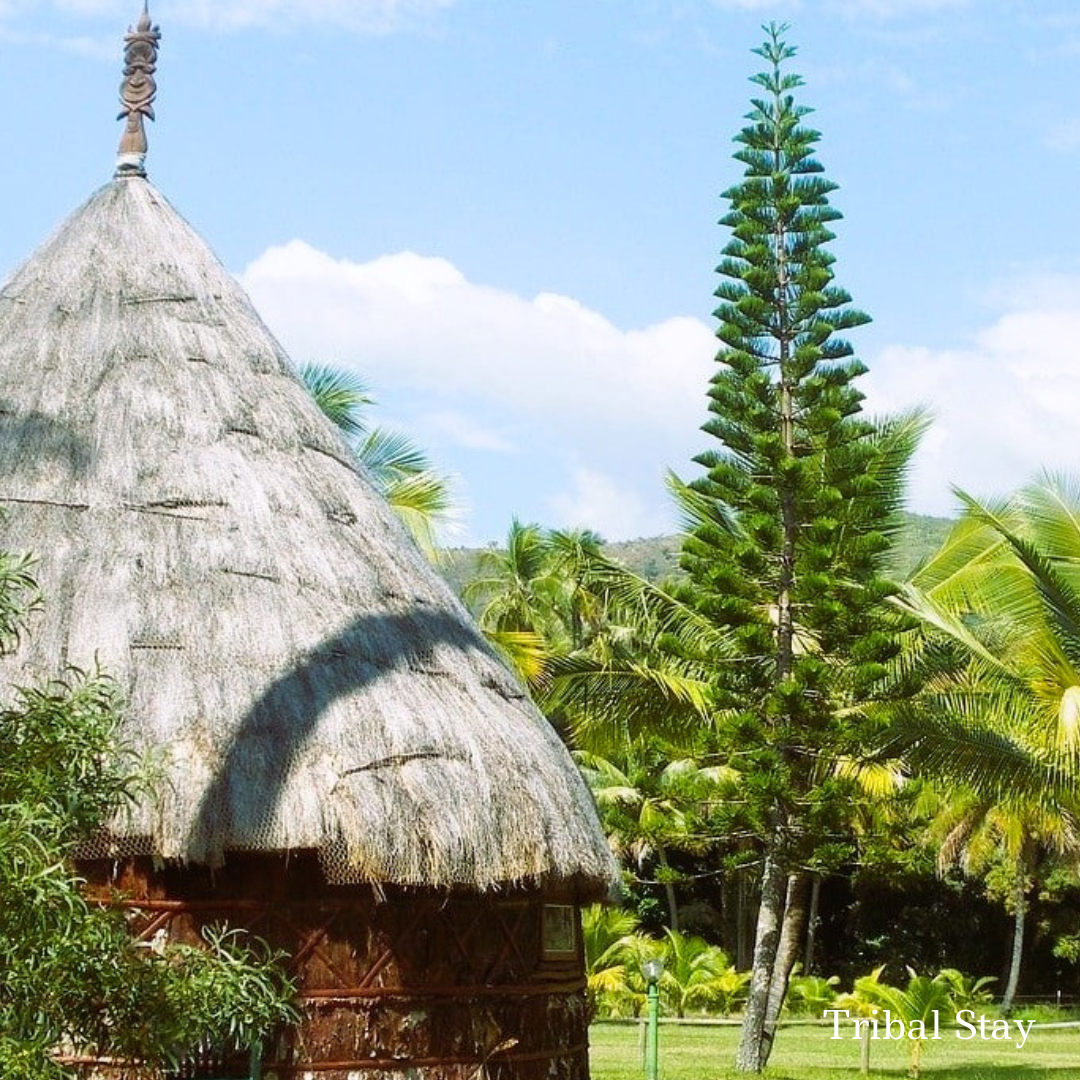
x=503 y=213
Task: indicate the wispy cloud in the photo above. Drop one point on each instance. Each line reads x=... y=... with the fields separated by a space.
x=757 y=5
x=895 y=9
x=360 y=16
x=460 y=430
x=877 y=9
x=1064 y=135
x=598 y=501
x=357 y=16
x=98 y=48
x=1006 y=406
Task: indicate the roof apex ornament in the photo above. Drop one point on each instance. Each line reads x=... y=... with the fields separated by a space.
x=137 y=93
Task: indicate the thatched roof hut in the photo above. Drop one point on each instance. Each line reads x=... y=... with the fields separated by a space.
x=303 y=680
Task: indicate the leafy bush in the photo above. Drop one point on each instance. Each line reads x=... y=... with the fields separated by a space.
x=697 y=977
x=811 y=995
x=966 y=991
x=70 y=973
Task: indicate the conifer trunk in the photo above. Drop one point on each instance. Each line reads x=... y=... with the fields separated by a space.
x=787 y=952
x=751 y=1054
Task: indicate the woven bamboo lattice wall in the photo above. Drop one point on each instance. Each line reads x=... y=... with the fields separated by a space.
x=447 y=986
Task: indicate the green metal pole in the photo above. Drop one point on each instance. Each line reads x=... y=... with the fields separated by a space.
x=652 y=1038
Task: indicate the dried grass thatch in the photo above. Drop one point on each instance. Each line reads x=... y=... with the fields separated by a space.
x=303 y=677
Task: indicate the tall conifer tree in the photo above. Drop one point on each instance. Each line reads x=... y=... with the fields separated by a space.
x=793 y=515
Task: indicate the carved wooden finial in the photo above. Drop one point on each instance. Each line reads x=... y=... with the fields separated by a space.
x=137 y=93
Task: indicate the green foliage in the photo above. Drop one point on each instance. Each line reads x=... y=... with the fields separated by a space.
x=997 y=721
x=966 y=991
x=811 y=995
x=914 y=1004
x=530 y=597
x=697 y=977
x=70 y=974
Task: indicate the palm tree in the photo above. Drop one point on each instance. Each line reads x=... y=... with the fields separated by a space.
x=400 y=470
x=978 y=834
x=698 y=975
x=919 y=1003
x=531 y=600
x=651 y=806
x=999 y=649
x=613 y=946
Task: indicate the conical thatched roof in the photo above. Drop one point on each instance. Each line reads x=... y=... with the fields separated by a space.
x=301 y=676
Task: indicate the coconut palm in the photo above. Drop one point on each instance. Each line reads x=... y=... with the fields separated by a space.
x=650 y=806
x=531 y=599
x=612 y=944
x=979 y=834
x=999 y=649
x=999 y=611
x=516 y=587
x=922 y=1002
x=698 y=976
x=419 y=494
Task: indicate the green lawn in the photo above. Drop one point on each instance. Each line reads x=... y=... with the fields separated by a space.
x=808 y=1053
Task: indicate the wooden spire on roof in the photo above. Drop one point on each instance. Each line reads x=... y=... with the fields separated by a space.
x=137 y=93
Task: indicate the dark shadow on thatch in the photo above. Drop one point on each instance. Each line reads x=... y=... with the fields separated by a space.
x=264 y=746
x=27 y=439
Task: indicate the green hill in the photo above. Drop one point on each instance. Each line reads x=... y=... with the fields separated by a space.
x=657 y=557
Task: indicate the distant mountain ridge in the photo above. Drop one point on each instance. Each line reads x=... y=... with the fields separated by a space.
x=657 y=557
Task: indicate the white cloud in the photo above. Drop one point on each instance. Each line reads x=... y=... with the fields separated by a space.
x=416 y=320
x=603 y=503
x=1006 y=407
x=363 y=16
x=1063 y=135
x=892 y=9
x=493 y=371
x=460 y=430
x=98 y=48
x=753 y=5
x=490 y=371
x=879 y=9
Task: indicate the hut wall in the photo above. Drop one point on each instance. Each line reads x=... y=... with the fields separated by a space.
x=394 y=984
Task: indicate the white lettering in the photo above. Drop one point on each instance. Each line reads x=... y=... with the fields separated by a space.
x=964 y=1024
x=836 y=1014
x=889 y=1021
x=1020 y=1025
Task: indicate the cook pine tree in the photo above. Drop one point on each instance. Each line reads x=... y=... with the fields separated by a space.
x=795 y=510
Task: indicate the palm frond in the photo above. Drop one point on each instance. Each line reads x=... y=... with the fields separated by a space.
x=341 y=395
x=525 y=651
x=608 y=702
x=696 y=509
x=991 y=762
x=389 y=454
x=1062 y=602
x=654 y=607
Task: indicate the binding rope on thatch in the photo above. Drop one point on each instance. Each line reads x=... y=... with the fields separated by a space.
x=295 y=672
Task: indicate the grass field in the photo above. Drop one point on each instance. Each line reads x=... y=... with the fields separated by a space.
x=808 y=1053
